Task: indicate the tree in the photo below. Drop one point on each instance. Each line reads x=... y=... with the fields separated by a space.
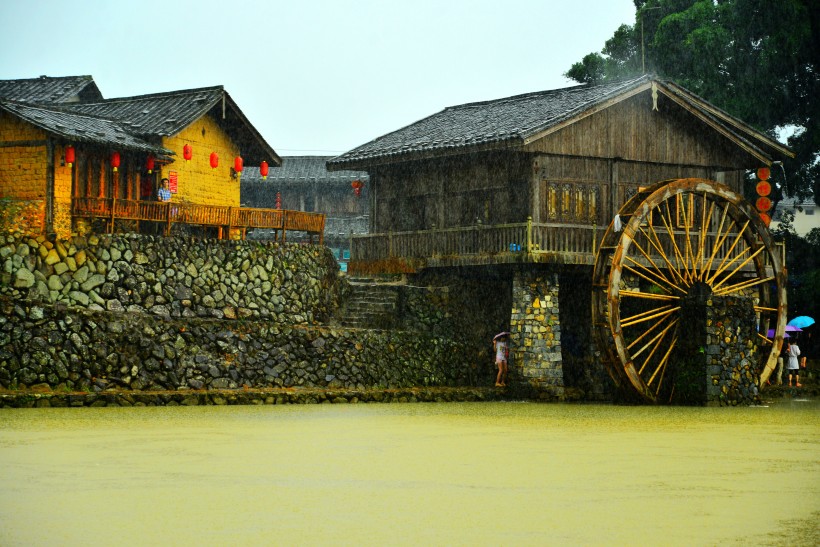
x=756 y=59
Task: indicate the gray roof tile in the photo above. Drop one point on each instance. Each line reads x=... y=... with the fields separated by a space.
x=160 y=114
x=55 y=90
x=80 y=128
x=296 y=169
x=497 y=124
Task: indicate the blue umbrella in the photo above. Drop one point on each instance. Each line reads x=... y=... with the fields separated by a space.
x=802 y=322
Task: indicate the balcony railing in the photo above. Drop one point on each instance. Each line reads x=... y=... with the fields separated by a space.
x=169 y=213
x=525 y=241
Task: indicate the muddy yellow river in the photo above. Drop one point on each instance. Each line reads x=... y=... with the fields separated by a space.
x=411 y=474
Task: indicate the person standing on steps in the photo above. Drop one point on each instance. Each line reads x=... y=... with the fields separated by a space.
x=794 y=366
x=501 y=347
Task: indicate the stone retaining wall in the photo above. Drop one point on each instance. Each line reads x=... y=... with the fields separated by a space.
x=174 y=277
x=77 y=349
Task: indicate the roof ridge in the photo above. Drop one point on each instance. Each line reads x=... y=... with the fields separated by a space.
x=161 y=94
x=547 y=92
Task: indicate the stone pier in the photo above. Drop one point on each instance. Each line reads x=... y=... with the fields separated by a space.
x=535 y=329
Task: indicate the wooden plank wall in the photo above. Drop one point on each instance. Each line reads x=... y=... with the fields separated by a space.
x=490 y=188
x=632 y=130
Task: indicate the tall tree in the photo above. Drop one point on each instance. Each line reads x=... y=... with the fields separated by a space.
x=757 y=59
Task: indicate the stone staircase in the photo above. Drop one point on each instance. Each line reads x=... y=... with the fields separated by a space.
x=372 y=304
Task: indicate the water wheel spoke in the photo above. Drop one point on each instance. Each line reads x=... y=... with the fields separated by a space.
x=656 y=243
x=766 y=339
x=743 y=285
x=702 y=240
x=764 y=309
x=648 y=296
x=662 y=365
x=647 y=316
x=722 y=281
x=649 y=331
x=648 y=258
x=654 y=343
x=720 y=238
x=722 y=266
x=690 y=254
x=657 y=281
x=667 y=222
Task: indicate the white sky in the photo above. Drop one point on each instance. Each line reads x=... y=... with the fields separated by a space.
x=313 y=77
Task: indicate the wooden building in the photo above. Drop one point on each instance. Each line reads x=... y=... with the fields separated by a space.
x=508 y=201
x=121 y=148
x=303 y=183
x=549 y=169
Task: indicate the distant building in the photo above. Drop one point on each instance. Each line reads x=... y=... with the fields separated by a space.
x=806 y=217
x=303 y=183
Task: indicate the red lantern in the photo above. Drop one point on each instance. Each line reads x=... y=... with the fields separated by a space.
x=763 y=173
x=278 y=200
x=357 y=187
x=69 y=155
x=237 y=164
x=766 y=219
x=263 y=169
x=149 y=163
x=764 y=188
x=763 y=204
x=214 y=160
x=187 y=152
x=115 y=160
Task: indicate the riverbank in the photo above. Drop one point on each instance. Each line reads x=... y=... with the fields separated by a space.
x=262 y=396
x=44 y=398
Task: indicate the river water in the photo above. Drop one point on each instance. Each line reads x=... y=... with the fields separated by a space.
x=411 y=474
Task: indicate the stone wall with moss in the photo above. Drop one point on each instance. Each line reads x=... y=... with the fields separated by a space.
x=143 y=313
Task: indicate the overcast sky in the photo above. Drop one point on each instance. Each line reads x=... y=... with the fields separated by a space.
x=314 y=77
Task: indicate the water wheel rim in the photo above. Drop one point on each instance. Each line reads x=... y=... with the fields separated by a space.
x=640 y=208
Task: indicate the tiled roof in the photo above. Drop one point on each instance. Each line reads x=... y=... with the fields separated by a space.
x=296 y=169
x=78 y=127
x=499 y=123
x=54 y=90
x=132 y=122
x=160 y=114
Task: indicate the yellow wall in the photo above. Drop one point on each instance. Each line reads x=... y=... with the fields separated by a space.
x=22 y=177
x=62 y=195
x=198 y=182
x=22 y=168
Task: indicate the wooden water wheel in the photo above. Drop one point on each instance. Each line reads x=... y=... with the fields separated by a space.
x=674 y=242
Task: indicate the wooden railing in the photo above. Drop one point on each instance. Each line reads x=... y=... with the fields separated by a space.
x=169 y=213
x=502 y=240
x=502 y=243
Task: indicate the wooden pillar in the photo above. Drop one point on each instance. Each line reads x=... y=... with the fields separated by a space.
x=537 y=171
x=614 y=204
x=49 y=214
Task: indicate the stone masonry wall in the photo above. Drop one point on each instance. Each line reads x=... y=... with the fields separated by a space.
x=731 y=354
x=53 y=347
x=174 y=277
x=536 y=333
x=143 y=313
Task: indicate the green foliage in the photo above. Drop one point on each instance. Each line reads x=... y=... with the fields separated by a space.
x=756 y=59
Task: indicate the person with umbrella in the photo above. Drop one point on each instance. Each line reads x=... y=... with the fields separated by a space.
x=794 y=368
x=501 y=348
x=802 y=322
